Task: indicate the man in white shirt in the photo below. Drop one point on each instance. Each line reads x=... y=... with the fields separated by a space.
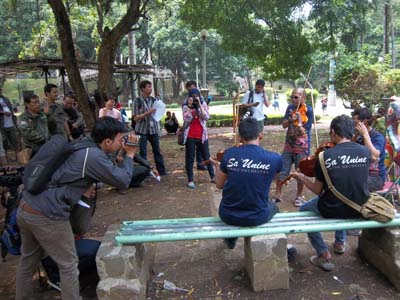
x=255 y=100
x=8 y=123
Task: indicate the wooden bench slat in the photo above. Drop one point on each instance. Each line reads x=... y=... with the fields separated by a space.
x=315 y=225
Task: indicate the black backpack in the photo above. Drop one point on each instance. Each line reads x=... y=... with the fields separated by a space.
x=40 y=169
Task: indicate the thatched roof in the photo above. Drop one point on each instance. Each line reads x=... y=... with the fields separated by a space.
x=15 y=67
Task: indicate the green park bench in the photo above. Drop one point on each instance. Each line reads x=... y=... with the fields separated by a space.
x=265 y=245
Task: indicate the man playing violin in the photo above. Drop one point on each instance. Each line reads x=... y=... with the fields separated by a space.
x=375 y=142
x=298 y=121
x=245 y=175
x=347 y=165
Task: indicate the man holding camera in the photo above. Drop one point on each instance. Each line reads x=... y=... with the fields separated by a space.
x=146 y=127
x=255 y=101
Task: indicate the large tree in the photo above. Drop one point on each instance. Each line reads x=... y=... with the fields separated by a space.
x=110 y=39
x=268 y=33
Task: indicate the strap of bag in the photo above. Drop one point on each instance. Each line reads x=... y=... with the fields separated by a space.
x=343 y=198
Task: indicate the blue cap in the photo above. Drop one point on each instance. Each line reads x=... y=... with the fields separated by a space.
x=193 y=92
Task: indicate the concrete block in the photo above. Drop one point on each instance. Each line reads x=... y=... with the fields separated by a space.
x=381 y=248
x=266 y=262
x=123 y=270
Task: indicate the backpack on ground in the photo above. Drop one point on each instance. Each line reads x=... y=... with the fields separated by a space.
x=48 y=159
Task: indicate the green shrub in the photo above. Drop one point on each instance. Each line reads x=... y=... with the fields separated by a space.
x=172 y=105
x=226 y=120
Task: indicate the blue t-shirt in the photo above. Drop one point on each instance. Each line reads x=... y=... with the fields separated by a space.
x=250 y=170
x=379 y=142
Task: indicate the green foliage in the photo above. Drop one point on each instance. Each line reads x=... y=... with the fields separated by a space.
x=172 y=105
x=360 y=79
x=264 y=32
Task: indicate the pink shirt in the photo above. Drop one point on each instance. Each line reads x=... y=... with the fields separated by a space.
x=114 y=113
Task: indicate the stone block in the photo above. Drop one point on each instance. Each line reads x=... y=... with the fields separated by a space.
x=381 y=248
x=118 y=289
x=123 y=270
x=266 y=262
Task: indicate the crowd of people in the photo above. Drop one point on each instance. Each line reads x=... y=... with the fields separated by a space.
x=245 y=174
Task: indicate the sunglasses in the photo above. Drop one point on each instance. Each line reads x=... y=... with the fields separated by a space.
x=294 y=97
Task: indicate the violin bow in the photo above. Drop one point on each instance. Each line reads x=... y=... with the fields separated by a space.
x=306 y=82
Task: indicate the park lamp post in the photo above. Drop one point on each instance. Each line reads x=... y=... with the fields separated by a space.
x=204 y=34
x=197 y=70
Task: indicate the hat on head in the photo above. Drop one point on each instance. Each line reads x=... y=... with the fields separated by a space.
x=193 y=92
x=260 y=82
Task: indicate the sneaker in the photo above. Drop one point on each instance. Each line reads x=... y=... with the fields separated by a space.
x=191 y=185
x=54 y=285
x=322 y=262
x=276 y=199
x=298 y=202
x=213 y=180
x=230 y=243
x=338 y=248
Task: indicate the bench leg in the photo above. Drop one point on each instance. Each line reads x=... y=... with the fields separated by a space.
x=381 y=248
x=123 y=271
x=266 y=262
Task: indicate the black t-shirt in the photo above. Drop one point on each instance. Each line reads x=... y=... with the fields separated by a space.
x=347 y=165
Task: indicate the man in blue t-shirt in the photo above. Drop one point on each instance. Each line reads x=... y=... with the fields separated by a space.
x=245 y=175
x=375 y=142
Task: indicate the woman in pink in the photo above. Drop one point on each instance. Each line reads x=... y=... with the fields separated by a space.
x=195 y=116
x=109 y=111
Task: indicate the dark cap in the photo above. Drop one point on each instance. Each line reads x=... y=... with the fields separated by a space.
x=260 y=82
x=193 y=92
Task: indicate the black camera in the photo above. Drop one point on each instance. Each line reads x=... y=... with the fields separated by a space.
x=125 y=139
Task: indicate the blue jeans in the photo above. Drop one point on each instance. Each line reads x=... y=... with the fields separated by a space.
x=154 y=140
x=190 y=147
x=315 y=238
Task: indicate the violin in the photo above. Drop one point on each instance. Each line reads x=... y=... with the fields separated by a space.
x=307 y=164
x=299 y=116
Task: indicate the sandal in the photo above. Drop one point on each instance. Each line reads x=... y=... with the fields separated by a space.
x=275 y=199
x=322 y=263
x=298 y=202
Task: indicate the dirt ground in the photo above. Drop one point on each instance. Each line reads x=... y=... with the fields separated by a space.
x=206 y=267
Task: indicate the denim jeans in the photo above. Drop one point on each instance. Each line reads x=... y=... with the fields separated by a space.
x=315 y=238
x=154 y=140
x=190 y=147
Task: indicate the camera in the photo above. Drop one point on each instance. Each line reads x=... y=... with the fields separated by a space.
x=125 y=139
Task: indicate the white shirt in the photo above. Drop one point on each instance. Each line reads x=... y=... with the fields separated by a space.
x=257 y=111
x=8 y=121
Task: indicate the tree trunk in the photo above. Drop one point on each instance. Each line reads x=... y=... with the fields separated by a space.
x=109 y=45
x=68 y=55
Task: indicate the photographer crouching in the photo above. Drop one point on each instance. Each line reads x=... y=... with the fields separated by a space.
x=195 y=115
